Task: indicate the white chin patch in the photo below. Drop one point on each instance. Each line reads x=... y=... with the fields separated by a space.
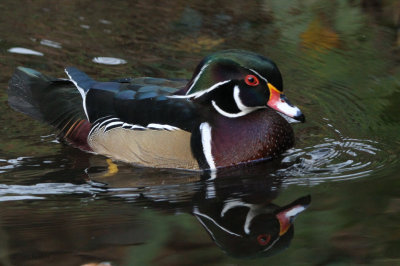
x=244 y=110
x=294 y=211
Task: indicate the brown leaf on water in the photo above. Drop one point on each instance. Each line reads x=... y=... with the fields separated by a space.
x=319 y=37
x=198 y=44
x=97 y=264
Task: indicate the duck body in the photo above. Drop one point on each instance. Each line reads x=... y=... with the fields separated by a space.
x=225 y=115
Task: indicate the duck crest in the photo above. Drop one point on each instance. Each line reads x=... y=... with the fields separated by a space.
x=229 y=65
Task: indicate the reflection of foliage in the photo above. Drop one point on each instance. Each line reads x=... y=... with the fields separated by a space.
x=352 y=67
x=390 y=113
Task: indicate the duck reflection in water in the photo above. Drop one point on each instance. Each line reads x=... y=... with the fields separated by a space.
x=236 y=208
x=244 y=229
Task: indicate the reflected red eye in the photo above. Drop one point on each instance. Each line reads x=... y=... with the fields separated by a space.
x=251 y=80
x=263 y=239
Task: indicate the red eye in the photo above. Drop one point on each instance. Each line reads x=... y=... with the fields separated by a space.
x=251 y=80
x=263 y=239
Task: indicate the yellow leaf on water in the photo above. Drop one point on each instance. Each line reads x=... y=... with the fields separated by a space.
x=97 y=264
x=198 y=44
x=319 y=37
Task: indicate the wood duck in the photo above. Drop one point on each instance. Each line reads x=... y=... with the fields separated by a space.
x=225 y=115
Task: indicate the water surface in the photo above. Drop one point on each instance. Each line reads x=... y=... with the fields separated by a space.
x=340 y=64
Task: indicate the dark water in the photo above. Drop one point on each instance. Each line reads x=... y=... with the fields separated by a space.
x=340 y=64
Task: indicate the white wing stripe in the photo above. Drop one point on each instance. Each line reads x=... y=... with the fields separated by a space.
x=81 y=91
x=113 y=121
x=160 y=126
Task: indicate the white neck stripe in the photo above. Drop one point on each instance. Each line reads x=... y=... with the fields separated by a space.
x=258 y=74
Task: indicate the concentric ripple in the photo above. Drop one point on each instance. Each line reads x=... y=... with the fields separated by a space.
x=334 y=159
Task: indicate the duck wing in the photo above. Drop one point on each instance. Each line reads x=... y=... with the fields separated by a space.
x=135 y=103
x=137 y=121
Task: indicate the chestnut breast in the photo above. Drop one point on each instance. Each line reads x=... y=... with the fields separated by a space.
x=259 y=135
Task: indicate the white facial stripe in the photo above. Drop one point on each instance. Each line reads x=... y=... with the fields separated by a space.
x=199 y=93
x=255 y=72
x=213 y=87
x=234 y=115
x=238 y=101
x=81 y=91
x=206 y=139
x=198 y=76
x=222 y=112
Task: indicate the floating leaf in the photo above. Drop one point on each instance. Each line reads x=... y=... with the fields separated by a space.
x=319 y=37
x=198 y=44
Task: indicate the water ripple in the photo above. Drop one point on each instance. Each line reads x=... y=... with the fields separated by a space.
x=109 y=60
x=26 y=51
x=38 y=191
x=344 y=159
x=50 y=43
x=11 y=163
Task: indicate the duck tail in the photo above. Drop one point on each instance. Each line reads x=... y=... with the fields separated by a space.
x=53 y=101
x=21 y=93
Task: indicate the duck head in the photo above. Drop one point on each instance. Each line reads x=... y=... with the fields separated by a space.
x=237 y=82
